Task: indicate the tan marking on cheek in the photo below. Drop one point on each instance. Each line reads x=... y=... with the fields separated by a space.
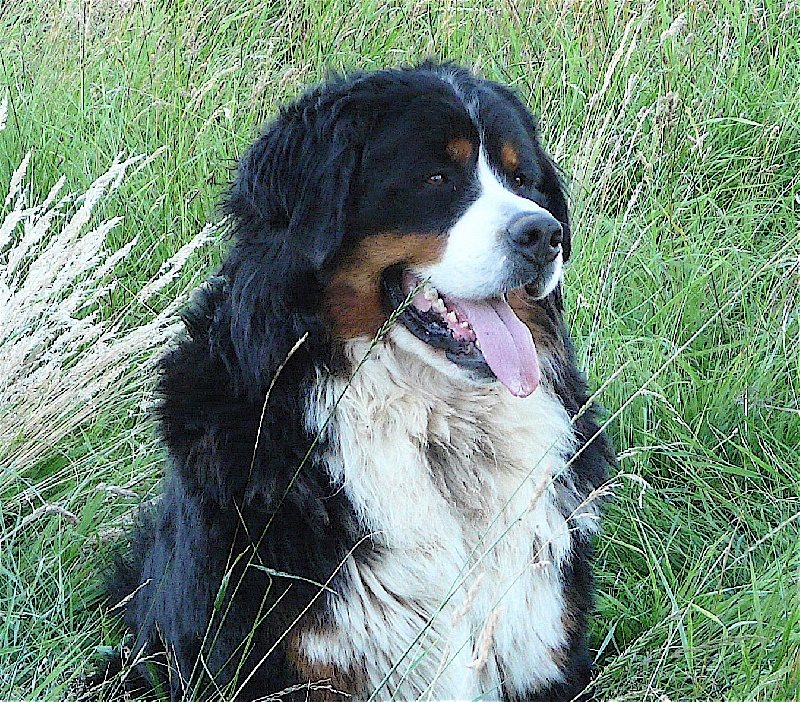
x=509 y=158
x=460 y=150
x=546 y=334
x=353 y=296
x=326 y=682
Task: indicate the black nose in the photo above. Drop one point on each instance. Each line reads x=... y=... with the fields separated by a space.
x=537 y=235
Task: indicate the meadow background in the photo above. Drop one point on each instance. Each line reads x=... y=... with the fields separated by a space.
x=677 y=124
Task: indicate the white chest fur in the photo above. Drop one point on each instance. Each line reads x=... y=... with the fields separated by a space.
x=454 y=482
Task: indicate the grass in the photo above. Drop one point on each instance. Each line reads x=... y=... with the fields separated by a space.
x=678 y=126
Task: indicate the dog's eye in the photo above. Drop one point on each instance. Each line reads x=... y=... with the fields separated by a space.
x=519 y=180
x=436 y=179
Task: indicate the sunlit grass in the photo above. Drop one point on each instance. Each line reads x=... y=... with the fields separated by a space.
x=677 y=125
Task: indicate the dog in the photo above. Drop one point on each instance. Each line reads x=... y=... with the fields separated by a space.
x=384 y=470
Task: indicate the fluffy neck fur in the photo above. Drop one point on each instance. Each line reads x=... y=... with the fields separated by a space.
x=468 y=503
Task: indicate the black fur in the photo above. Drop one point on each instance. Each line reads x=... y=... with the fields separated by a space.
x=250 y=524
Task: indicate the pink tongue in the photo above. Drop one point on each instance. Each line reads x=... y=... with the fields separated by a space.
x=506 y=343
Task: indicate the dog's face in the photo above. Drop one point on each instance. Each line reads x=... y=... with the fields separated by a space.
x=472 y=181
x=428 y=186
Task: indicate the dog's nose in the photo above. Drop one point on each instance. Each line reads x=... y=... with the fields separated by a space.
x=537 y=235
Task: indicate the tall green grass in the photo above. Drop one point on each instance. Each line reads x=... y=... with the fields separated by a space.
x=677 y=124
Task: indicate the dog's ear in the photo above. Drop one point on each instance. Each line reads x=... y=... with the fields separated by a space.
x=292 y=188
x=553 y=188
x=288 y=207
x=552 y=183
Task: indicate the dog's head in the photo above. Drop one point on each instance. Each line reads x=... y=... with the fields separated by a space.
x=427 y=185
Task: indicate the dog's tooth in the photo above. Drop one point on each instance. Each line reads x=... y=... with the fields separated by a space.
x=430 y=293
x=439 y=306
x=465 y=325
x=452 y=318
x=477 y=343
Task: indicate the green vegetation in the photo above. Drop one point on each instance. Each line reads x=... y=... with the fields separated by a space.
x=677 y=124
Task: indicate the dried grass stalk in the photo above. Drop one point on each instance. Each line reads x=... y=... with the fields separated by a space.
x=61 y=361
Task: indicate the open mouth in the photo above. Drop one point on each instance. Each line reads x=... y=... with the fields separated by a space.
x=484 y=336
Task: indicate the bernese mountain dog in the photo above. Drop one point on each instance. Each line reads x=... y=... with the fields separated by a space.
x=383 y=470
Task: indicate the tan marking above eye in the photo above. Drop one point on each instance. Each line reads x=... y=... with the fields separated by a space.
x=509 y=157
x=460 y=150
